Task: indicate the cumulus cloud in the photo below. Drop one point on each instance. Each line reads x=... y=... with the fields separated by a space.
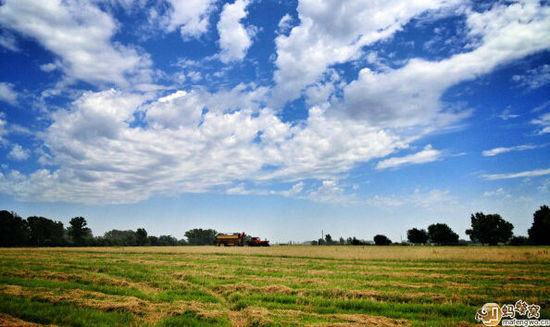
x=80 y=34
x=190 y=16
x=234 y=38
x=285 y=24
x=523 y=174
x=428 y=154
x=188 y=145
x=496 y=151
x=331 y=33
x=18 y=153
x=120 y=146
x=7 y=93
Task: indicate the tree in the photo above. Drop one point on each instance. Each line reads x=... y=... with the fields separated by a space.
x=328 y=239
x=167 y=240
x=45 y=232
x=153 y=240
x=141 y=237
x=342 y=241
x=539 y=233
x=14 y=230
x=199 y=236
x=381 y=240
x=442 y=234
x=519 y=240
x=417 y=236
x=489 y=229
x=78 y=231
x=120 y=237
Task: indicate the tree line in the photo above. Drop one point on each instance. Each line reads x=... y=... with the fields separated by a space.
x=41 y=231
x=488 y=229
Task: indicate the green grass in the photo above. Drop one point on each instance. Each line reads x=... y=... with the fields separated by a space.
x=288 y=286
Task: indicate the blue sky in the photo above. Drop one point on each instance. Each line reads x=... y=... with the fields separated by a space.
x=278 y=118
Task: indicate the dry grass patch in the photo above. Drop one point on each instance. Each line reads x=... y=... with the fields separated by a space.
x=9 y=321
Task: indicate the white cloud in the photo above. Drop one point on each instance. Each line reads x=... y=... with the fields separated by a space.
x=496 y=151
x=285 y=24
x=411 y=95
x=183 y=148
x=8 y=41
x=544 y=122
x=428 y=154
x=433 y=200
x=506 y=115
x=500 y=192
x=190 y=16
x=523 y=174
x=544 y=186
x=18 y=153
x=3 y=129
x=331 y=33
x=50 y=67
x=330 y=191
x=80 y=34
x=534 y=78
x=234 y=38
x=7 y=93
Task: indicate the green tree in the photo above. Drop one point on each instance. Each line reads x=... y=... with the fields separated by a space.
x=120 y=237
x=14 y=230
x=199 y=236
x=489 y=229
x=442 y=234
x=141 y=237
x=328 y=239
x=539 y=233
x=45 y=232
x=417 y=236
x=519 y=240
x=167 y=240
x=381 y=240
x=78 y=232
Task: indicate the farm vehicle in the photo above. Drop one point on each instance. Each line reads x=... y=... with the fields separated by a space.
x=241 y=239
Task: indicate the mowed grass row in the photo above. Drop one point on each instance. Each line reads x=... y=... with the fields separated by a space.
x=297 y=285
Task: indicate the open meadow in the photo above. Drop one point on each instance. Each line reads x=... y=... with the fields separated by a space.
x=280 y=285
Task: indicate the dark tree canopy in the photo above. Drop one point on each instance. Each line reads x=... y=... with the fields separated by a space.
x=519 y=240
x=328 y=239
x=78 y=232
x=141 y=237
x=381 y=240
x=45 y=232
x=442 y=234
x=490 y=229
x=417 y=236
x=14 y=231
x=120 y=237
x=199 y=236
x=539 y=233
x=167 y=240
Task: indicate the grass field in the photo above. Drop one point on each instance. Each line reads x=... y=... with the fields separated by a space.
x=281 y=285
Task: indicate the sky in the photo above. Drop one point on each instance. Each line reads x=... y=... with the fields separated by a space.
x=282 y=119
